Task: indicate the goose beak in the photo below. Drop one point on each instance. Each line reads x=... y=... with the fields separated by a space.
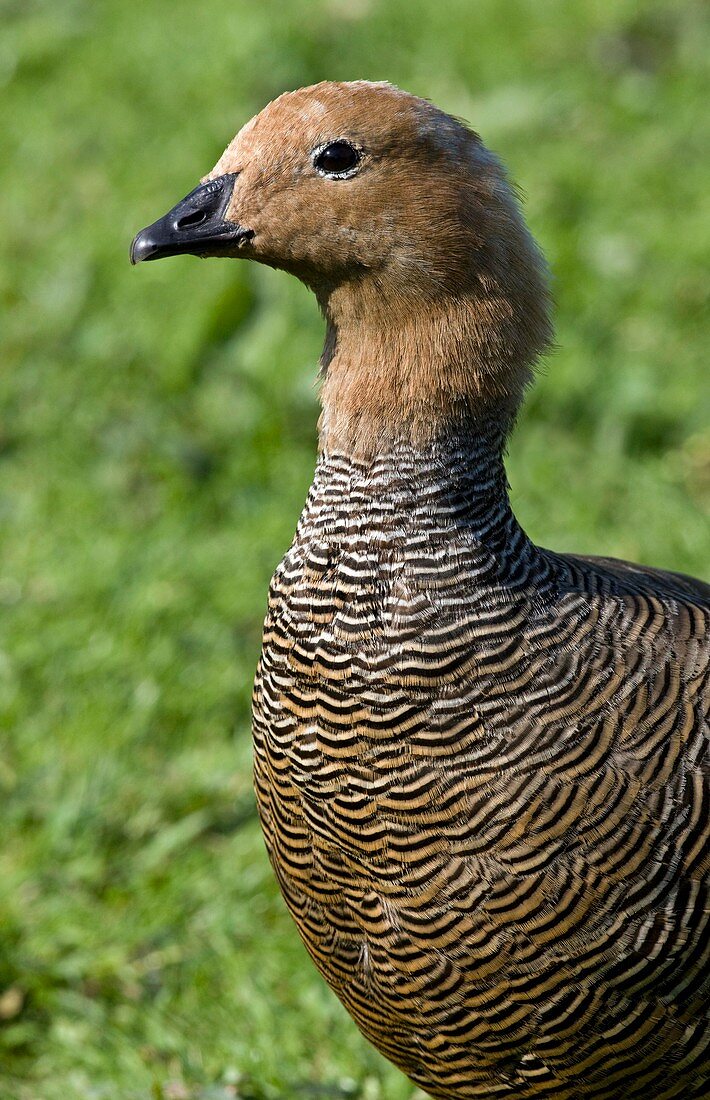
x=195 y=227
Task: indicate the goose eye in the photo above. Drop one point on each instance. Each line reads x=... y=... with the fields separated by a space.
x=337 y=159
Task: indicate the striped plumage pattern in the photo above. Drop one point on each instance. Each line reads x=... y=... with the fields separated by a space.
x=479 y=768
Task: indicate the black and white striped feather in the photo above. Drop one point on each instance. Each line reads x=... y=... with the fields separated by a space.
x=481 y=773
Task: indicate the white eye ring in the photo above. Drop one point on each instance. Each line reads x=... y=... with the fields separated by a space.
x=349 y=154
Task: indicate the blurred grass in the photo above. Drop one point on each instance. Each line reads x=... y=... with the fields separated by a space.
x=156 y=442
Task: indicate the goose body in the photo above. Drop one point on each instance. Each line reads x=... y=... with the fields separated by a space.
x=481 y=767
x=479 y=773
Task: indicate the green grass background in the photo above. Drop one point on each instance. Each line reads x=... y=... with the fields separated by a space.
x=156 y=442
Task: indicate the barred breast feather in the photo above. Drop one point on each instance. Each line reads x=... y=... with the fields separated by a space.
x=480 y=773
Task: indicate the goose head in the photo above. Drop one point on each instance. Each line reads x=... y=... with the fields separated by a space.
x=404 y=225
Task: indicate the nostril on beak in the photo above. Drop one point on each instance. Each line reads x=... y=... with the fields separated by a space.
x=189 y=221
x=194 y=226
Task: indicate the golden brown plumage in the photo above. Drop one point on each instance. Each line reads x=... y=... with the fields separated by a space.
x=480 y=765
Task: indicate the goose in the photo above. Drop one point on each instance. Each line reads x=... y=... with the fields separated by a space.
x=480 y=765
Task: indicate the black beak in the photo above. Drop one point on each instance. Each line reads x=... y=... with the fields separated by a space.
x=195 y=227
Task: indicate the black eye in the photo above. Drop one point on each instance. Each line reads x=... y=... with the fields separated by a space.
x=337 y=158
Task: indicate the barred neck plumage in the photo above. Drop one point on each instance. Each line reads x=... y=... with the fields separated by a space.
x=454 y=488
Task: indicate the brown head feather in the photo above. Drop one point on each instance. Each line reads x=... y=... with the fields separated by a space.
x=434 y=292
